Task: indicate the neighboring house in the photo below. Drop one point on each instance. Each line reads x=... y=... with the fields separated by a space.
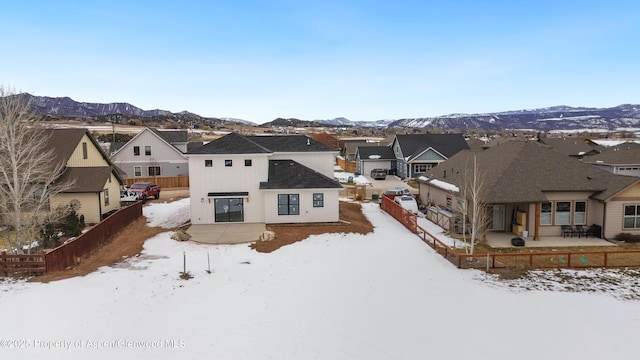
x=574 y=147
x=374 y=157
x=96 y=182
x=271 y=179
x=416 y=154
x=154 y=153
x=528 y=186
x=622 y=159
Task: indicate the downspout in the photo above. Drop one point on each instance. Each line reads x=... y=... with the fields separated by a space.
x=604 y=222
x=99 y=207
x=536 y=222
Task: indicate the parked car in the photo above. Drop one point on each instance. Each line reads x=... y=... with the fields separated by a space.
x=408 y=203
x=398 y=192
x=146 y=190
x=379 y=174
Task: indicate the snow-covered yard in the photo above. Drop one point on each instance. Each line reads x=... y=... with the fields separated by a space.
x=385 y=295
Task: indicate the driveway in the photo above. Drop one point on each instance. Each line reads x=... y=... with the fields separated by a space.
x=390 y=182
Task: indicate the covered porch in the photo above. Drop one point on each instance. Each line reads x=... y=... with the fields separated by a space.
x=503 y=239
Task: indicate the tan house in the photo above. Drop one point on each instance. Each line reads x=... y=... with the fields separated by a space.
x=530 y=187
x=96 y=183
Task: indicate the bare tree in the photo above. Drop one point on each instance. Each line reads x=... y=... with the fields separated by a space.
x=472 y=191
x=28 y=171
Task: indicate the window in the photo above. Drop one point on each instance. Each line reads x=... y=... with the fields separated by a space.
x=154 y=170
x=288 y=204
x=580 y=213
x=85 y=155
x=247 y=162
x=563 y=213
x=545 y=213
x=449 y=202
x=228 y=163
x=136 y=150
x=421 y=168
x=208 y=163
x=106 y=197
x=318 y=200
x=137 y=171
x=147 y=150
x=631 y=217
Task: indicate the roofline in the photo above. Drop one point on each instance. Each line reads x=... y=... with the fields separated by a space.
x=154 y=134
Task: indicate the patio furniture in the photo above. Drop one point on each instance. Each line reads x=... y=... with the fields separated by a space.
x=580 y=231
x=517 y=241
x=567 y=230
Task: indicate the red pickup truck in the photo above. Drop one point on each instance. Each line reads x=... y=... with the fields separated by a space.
x=146 y=190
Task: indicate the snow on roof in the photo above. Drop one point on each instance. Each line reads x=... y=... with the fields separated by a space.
x=444 y=185
x=374 y=156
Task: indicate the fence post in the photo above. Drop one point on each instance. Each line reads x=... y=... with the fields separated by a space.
x=4 y=263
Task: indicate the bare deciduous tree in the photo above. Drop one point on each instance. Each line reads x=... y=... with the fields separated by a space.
x=28 y=171
x=472 y=182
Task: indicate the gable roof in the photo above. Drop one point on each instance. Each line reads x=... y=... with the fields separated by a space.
x=289 y=143
x=289 y=174
x=65 y=141
x=520 y=172
x=569 y=146
x=379 y=152
x=234 y=143
x=619 y=156
x=231 y=143
x=157 y=134
x=412 y=145
x=172 y=136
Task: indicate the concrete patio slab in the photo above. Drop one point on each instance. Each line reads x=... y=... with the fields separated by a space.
x=498 y=240
x=231 y=233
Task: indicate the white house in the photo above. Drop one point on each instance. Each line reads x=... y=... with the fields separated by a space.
x=154 y=153
x=271 y=179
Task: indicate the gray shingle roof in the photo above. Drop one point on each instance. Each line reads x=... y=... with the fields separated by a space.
x=231 y=143
x=520 y=172
x=289 y=143
x=384 y=152
x=234 y=143
x=86 y=179
x=413 y=145
x=623 y=156
x=569 y=146
x=289 y=174
x=172 y=136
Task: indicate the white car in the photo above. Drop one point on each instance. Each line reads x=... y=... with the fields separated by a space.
x=408 y=203
x=128 y=195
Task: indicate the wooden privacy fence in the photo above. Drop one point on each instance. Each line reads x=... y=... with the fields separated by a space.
x=404 y=216
x=164 y=182
x=517 y=260
x=348 y=166
x=11 y=264
x=70 y=253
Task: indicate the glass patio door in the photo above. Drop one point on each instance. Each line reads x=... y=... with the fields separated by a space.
x=496 y=217
x=229 y=210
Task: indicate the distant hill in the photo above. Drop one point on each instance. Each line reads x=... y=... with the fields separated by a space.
x=65 y=107
x=545 y=119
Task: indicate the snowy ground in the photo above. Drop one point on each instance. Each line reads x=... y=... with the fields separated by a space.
x=385 y=295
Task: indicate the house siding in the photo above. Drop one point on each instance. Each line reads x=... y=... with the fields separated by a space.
x=220 y=178
x=308 y=214
x=90 y=207
x=170 y=160
x=615 y=212
x=322 y=162
x=94 y=156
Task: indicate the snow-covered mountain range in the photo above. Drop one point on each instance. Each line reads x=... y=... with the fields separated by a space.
x=625 y=116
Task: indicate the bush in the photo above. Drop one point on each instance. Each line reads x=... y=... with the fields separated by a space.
x=71 y=225
x=627 y=237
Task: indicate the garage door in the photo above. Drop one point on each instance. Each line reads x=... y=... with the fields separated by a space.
x=370 y=165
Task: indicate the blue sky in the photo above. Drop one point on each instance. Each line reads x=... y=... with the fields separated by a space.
x=363 y=60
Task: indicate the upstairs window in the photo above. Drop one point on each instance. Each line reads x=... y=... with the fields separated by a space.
x=247 y=162
x=228 y=163
x=208 y=163
x=147 y=150
x=136 y=150
x=85 y=154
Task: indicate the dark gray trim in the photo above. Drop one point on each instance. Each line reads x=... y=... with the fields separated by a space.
x=230 y=193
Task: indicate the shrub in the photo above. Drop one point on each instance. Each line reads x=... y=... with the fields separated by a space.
x=627 y=237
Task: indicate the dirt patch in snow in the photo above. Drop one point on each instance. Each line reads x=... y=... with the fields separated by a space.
x=352 y=221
